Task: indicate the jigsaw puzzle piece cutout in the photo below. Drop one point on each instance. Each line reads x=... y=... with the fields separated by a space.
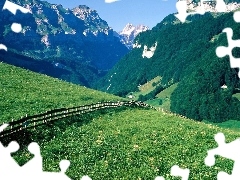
x=181 y=7
x=9 y=165
x=35 y=164
x=236 y=16
x=159 y=178
x=52 y=175
x=222 y=51
x=226 y=150
x=13 y=8
x=225 y=176
x=16 y=27
x=86 y=178
x=177 y=171
x=221 y=6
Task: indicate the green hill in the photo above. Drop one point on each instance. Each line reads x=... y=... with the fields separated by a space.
x=185 y=54
x=25 y=92
x=124 y=143
x=130 y=144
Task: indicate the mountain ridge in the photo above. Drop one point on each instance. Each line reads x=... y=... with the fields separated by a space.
x=52 y=33
x=129 y=33
x=182 y=49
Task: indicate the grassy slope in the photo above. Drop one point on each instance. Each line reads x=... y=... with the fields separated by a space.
x=164 y=96
x=126 y=144
x=24 y=92
x=146 y=88
x=237 y=95
x=135 y=144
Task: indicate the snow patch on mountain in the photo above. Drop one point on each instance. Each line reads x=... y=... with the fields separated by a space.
x=129 y=32
x=136 y=45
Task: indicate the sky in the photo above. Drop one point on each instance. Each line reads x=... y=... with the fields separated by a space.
x=119 y=13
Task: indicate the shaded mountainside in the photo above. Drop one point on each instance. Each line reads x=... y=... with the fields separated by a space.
x=182 y=48
x=77 y=39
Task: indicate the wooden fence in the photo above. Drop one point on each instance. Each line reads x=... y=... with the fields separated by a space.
x=30 y=122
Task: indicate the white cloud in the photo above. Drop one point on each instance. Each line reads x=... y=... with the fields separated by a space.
x=111 y=1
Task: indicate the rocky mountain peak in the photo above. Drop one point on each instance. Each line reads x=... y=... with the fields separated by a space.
x=92 y=20
x=129 y=32
x=48 y=27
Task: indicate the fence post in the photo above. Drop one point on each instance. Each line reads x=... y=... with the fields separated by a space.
x=11 y=125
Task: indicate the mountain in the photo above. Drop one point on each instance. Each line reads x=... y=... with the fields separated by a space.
x=76 y=40
x=184 y=53
x=130 y=143
x=25 y=92
x=129 y=32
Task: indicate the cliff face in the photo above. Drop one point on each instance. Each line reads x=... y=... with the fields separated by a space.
x=129 y=32
x=51 y=31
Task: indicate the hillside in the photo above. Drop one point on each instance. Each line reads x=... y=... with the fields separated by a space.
x=25 y=92
x=174 y=43
x=75 y=43
x=125 y=143
x=179 y=50
x=129 y=144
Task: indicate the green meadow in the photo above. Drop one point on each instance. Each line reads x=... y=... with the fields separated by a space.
x=24 y=92
x=122 y=143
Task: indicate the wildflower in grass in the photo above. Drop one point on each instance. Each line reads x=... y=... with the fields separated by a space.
x=99 y=141
x=136 y=147
x=151 y=159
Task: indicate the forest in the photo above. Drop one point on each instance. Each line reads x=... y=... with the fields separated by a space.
x=185 y=54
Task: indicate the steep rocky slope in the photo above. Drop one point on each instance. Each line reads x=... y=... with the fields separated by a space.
x=53 y=34
x=129 y=33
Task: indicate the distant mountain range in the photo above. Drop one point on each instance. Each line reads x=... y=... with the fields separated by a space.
x=129 y=33
x=76 y=41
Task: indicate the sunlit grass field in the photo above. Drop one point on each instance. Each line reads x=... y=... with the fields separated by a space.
x=24 y=92
x=164 y=96
x=133 y=144
x=123 y=143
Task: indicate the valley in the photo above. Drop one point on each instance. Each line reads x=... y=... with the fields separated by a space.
x=127 y=143
x=127 y=105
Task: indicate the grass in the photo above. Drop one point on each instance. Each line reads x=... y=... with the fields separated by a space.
x=164 y=96
x=133 y=144
x=230 y=124
x=125 y=143
x=166 y=93
x=24 y=92
x=237 y=95
x=146 y=88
